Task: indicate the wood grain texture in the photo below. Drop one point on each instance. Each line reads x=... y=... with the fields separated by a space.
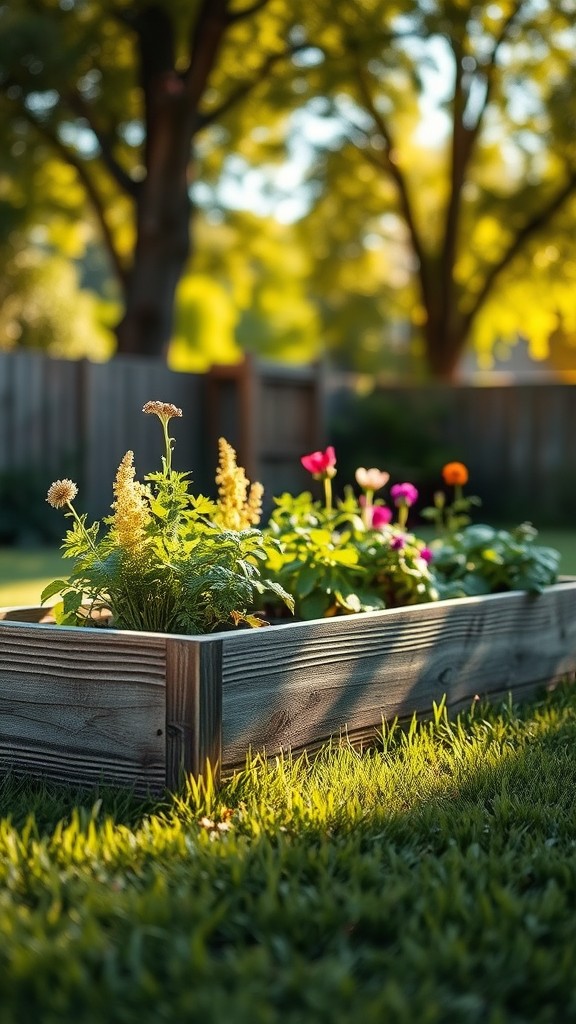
x=83 y=706
x=30 y=613
x=193 y=708
x=142 y=709
x=295 y=685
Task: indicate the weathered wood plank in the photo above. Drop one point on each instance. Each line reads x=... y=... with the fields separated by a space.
x=83 y=705
x=193 y=708
x=31 y=613
x=292 y=686
x=144 y=709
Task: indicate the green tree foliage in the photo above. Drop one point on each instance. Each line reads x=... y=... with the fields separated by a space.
x=434 y=139
x=121 y=91
x=442 y=171
x=482 y=214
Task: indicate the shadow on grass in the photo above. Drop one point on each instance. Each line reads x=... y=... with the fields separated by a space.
x=430 y=778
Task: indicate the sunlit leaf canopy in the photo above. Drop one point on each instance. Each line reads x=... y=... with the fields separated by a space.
x=373 y=176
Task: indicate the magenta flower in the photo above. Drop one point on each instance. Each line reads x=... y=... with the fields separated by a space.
x=381 y=516
x=427 y=555
x=397 y=543
x=320 y=463
x=404 y=494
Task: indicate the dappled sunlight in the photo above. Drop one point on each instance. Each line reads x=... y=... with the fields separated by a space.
x=408 y=876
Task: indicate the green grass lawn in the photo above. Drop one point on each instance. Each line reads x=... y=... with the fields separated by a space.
x=430 y=880
x=24 y=573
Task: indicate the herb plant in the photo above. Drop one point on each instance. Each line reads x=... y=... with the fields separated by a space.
x=165 y=560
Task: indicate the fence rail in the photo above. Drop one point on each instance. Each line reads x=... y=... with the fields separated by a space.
x=518 y=440
x=61 y=418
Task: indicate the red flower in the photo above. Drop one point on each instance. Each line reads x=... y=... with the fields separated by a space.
x=381 y=516
x=320 y=463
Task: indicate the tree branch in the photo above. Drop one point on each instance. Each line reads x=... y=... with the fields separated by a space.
x=247 y=11
x=399 y=180
x=531 y=228
x=489 y=72
x=464 y=139
x=93 y=195
x=246 y=87
x=207 y=34
x=81 y=108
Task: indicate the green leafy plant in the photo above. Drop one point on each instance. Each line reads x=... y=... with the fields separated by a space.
x=165 y=560
x=359 y=555
x=482 y=560
x=349 y=558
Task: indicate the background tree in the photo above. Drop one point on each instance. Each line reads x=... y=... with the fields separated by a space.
x=450 y=132
x=121 y=90
x=430 y=144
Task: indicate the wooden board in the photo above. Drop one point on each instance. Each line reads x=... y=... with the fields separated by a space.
x=296 y=685
x=143 y=709
x=83 y=706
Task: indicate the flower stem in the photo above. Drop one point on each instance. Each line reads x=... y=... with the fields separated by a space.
x=367 y=510
x=79 y=522
x=168 y=444
x=328 y=493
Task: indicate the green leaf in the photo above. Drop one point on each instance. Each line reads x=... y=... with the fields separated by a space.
x=158 y=509
x=315 y=605
x=306 y=580
x=53 y=588
x=71 y=602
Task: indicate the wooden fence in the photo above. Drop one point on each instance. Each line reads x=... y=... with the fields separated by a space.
x=61 y=418
x=517 y=440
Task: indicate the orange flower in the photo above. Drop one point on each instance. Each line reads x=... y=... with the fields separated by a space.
x=455 y=473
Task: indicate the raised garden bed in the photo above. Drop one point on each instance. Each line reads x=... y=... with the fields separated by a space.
x=140 y=709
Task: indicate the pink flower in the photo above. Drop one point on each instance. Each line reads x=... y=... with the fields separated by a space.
x=426 y=555
x=320 y=463
x=404 y=494
x=371 y=479
x=397 y=543
x=381 y=516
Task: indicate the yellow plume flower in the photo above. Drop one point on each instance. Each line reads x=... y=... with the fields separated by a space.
x=131 y=514
x=238 y=508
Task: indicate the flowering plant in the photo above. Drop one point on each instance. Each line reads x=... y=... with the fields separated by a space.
x=470 y=560
x=167 y=561
x=360 y=555
x=350 y=558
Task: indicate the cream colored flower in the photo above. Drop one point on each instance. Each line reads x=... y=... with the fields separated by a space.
x=131 y=514
x=164 y=410
x=61 y=493
x=371 y=479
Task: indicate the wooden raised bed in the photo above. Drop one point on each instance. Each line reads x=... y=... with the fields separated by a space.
x=140 y=709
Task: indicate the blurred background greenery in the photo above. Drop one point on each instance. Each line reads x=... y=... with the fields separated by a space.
x=389 y=185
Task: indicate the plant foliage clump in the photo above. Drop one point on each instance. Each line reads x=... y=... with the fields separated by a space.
x=166 y=560
x=360 y=556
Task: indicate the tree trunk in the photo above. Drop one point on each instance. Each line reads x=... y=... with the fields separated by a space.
x=444 y=345
x=161 y=253
x=162 y=246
